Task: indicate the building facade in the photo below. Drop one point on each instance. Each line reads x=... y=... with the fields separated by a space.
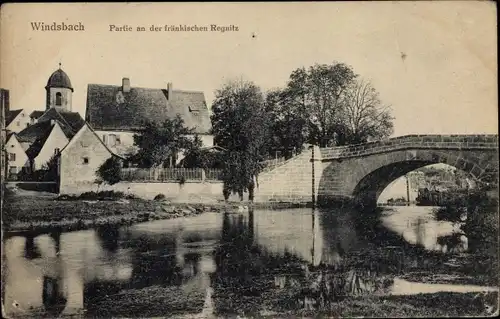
x=17 y=160
x=48 y=131
x=17 y=120
x=80 y=159
x=4 y=108
x=117 y=112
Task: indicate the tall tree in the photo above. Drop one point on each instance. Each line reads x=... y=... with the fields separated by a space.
x=197 y=157
x=287 y=124
x=240 y=125
x=364 y=117
x=159 y=144
x=317 y=94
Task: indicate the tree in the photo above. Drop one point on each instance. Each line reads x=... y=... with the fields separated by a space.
x=110 y=171
x=316 y=95
x=194 y=154
x=159 y=144
x=52 y=172
x=197 y=157
x=287 y=124
x=363 y=116
x=240 y=124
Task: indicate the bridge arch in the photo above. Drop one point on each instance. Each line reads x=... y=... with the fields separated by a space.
x=362 y=172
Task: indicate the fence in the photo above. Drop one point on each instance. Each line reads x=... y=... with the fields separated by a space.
x=273 y=162
x=170 y=174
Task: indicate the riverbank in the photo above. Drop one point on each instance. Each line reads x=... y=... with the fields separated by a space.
x=32 y=213
x=152 y=302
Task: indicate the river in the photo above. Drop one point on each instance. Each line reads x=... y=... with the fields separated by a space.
x=281 y=260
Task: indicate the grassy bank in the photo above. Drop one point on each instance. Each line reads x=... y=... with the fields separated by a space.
x=66 y=213
x=41 y=213
x=160 y=301
x=422 y=305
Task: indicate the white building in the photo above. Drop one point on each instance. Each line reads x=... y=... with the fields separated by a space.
x=117 y=112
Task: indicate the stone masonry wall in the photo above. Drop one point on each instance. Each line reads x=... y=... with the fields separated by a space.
x=292 y=180
x=342 y=177
x=187 y=192
x=414 y=142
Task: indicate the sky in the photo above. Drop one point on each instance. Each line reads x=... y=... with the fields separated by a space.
x=434 y=63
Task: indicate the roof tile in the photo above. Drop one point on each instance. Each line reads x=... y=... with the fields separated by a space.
x=11 y=115
x=108 y=108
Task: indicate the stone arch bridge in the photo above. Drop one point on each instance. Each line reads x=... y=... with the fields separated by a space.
x=361 y=172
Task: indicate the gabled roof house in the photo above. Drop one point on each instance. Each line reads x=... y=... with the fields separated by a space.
x=46 y=132
x=117 y=112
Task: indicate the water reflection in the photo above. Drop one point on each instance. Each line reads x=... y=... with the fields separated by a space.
x=31 y=251
x=53 y=299
x=229 y=263
x=109 y=236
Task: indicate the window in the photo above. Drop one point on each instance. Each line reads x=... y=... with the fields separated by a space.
x=13 y=170
x=56 y=151
x=18 y=123
x=12 y=156
x=85 y=160
x=118 y=140
x=58 y=98
x=193 y=110
x=27 y=124
x=112 y=140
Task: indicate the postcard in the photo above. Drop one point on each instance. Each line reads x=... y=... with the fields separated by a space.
x=248 y=160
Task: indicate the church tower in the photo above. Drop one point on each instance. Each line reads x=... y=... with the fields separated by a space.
x=59 y=91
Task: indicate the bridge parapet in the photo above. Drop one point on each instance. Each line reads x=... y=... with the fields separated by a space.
x=469 y=142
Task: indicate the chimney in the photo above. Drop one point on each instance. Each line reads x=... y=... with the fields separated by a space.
x=126 y=85
x=4 y=100
x=169 y=90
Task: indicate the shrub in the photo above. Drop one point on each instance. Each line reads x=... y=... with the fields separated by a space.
x=181 y=179
x=159 y=197
x=110 y=171
x=226 y=191
x=102 y=195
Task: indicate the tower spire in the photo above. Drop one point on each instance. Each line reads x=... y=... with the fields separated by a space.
x=59 y=64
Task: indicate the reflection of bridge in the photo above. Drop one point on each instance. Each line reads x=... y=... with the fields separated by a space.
x=361 y=172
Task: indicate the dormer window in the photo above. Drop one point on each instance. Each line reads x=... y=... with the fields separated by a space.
x=58 y=98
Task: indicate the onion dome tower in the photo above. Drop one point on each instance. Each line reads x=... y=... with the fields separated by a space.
x=59 y=91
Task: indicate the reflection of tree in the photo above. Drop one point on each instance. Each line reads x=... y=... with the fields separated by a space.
x=325 y=287
x=96 y=290
x=154 y=262
x=56 y=236
x=109 y=235
x=238 y=265
x=420 y=232
x=192 y=259
x=53 y=299
x=245 y=272
x=451 y=242
x=31 y=250
x=236 y=246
